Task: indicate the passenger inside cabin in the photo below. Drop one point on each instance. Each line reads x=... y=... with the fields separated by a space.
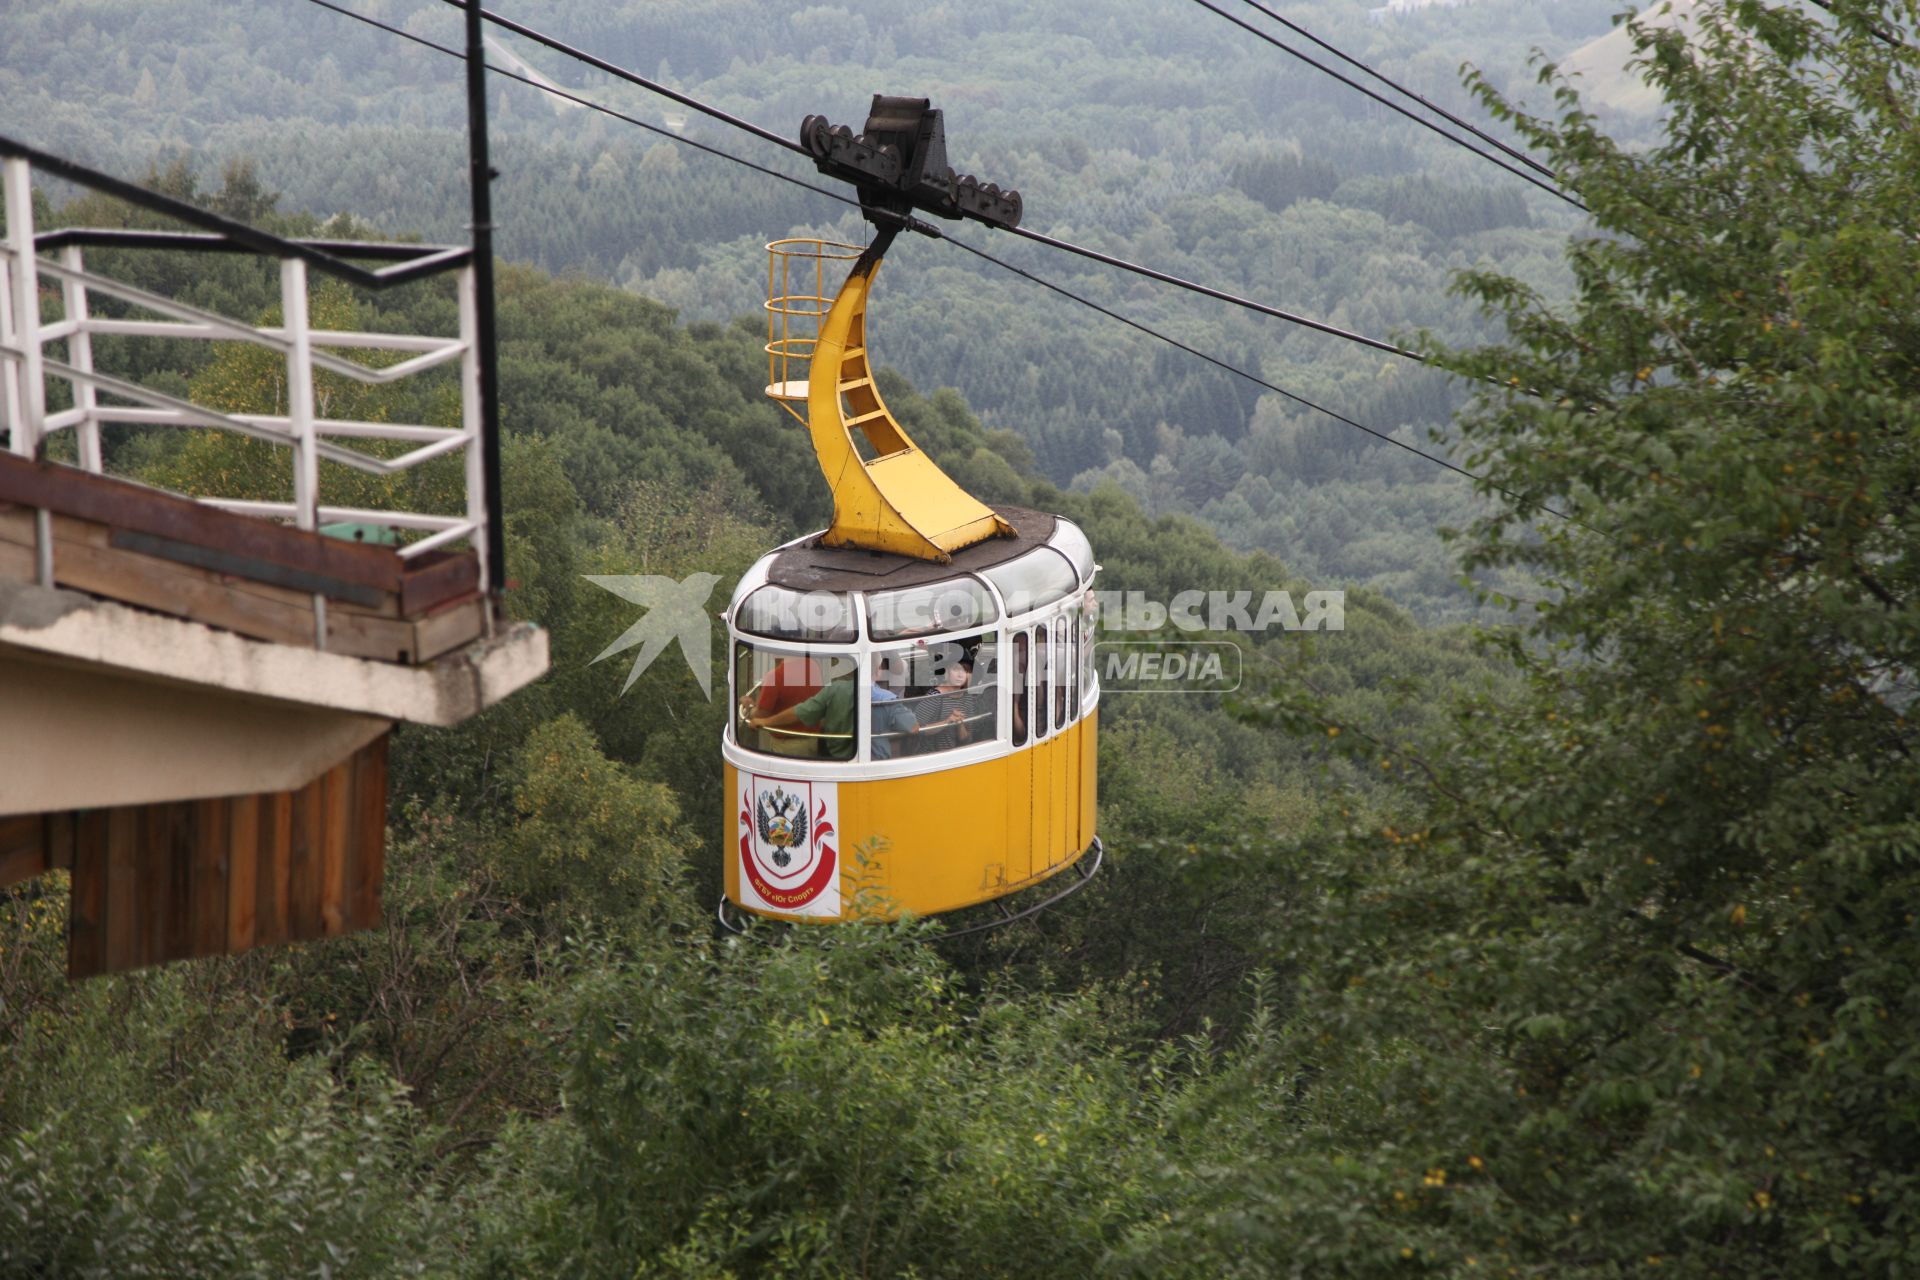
x=943 y=718
x=892 y=719
x=790 y=683
x=830 y=711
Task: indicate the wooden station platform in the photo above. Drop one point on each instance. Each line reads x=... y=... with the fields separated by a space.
x=229 y=805
x=187 y=878
x=257 y=578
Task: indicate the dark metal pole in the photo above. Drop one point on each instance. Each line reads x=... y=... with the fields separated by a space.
x=481 y=178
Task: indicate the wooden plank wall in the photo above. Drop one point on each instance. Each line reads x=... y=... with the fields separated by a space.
x=253 y=576
x=88 y=558
x=160 y=882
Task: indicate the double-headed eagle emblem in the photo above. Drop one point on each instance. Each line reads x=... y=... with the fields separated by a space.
x=782 y=820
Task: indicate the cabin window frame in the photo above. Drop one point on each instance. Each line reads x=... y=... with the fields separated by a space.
x=1087 y=625
x=1019 y=719
x=744 y=644
x=1000 y=637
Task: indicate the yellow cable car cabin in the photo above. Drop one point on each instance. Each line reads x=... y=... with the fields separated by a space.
x=915 y=707
x=910 y=736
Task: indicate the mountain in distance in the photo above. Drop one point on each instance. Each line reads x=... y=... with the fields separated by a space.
x=1600 y=71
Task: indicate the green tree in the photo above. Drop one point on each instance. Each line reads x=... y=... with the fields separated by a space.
x=1635 y=971
x=593 y=840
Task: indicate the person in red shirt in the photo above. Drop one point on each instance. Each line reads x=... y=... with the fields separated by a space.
x=791 y=682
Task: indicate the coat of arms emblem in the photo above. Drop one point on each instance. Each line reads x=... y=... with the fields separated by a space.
x=786 y=832
x=782 y=821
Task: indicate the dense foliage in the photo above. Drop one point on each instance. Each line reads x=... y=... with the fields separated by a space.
x=1646 y=956
x=1150 y=128
x=1587 y=952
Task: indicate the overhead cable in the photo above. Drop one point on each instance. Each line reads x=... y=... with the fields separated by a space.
x=1172 y=341
x=632 y=77
x=1219 y=295
x=622 y=116
x=1388 y=103
x=1397 y=87
x=934 y=232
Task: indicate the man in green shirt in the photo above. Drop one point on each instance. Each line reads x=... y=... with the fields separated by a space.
x=832 y=709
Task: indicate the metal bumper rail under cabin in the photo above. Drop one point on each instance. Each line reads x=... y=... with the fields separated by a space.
x=196 y=693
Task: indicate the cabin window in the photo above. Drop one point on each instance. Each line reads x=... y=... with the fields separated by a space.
x=1086 y=655
x=1073 y=667
x=802 y=706
x=1062 y=669
x=1034 y=580
x=1071 y=543
x=934 y=697
x=958 y=604
x=778 y=613
x=1018 y=676
x=1042 y=668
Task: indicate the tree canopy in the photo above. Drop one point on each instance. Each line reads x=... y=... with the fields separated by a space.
x=1640 y=967
x=1587 y=952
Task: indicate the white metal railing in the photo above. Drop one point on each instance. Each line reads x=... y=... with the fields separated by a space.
x=25 y=366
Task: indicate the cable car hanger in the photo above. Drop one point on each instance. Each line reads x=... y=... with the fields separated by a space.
x=898 y=163
x=892 y=497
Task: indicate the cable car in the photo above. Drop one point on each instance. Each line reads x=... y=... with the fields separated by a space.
x=915 y=719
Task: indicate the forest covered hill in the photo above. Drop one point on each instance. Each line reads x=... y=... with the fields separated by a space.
x=1583 y=946
x=1153 y=130
x=550 y=855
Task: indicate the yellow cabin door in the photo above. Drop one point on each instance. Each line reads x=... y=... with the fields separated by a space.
x=1042 y=821
x=1019 y=822
x=1089 y=792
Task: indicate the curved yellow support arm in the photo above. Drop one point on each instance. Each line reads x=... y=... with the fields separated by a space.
x=897 y=500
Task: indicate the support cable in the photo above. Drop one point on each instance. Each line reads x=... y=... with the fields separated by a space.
x=1172 y=341
x=924 y=228
x=621 y=73
x=1391 y=105
x=1219 y=295
x=591 y=105
x=1397 y=87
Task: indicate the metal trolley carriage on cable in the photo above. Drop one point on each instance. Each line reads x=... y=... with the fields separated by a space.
x=915 y=717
